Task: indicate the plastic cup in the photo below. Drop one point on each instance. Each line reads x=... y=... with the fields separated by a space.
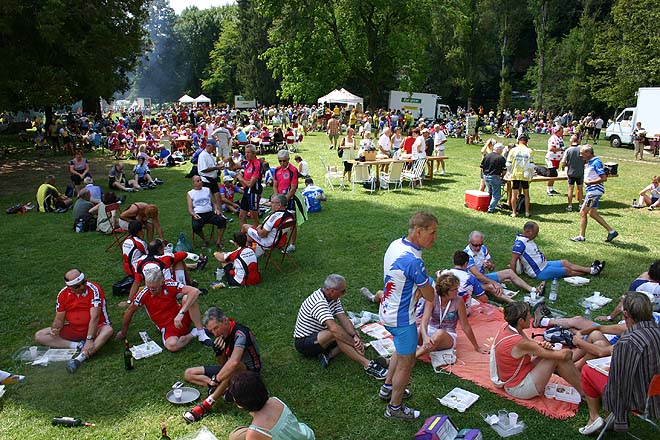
x=596 y=294
x=503 y=415
x=557 y=346
x=513 y=419
x=532 y=295
x=33 y=351
x=178 y=392
x=461 y=407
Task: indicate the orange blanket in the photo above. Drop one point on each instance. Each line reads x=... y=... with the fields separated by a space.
x=486 y=321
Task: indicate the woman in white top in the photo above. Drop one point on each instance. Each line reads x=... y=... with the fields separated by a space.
x=651 y=200
x=348 y=155
x=418 y=148
x=204 y=209
x=396 y=139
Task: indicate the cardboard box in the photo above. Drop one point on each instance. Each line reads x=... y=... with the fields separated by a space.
x=477 y=200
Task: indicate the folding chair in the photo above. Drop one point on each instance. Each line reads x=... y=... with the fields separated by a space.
x=653 y=391
x=118 y=234
x=285 y=230
x=393 y=176
x=362 y=175
x=416 y=174
x=331 y=175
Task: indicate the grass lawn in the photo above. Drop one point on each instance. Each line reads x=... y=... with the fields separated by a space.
x=348 y=237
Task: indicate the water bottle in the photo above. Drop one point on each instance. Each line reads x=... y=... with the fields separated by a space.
x=163 y=432
x=587 y=313
x=553 y=290
x=129 y=362
x=79 y=226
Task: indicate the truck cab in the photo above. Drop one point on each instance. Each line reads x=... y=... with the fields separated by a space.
x=620 y=131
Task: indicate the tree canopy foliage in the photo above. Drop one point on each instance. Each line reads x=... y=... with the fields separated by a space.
x=569 y=54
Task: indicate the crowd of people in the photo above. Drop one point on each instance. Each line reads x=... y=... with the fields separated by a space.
x=420 y=311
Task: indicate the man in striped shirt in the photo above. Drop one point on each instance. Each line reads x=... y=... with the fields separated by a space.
x=594 y=178
x=323 y=329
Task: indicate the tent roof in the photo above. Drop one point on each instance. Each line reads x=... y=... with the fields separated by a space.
x=341 y=96
x=186 y=99
x=202 y=98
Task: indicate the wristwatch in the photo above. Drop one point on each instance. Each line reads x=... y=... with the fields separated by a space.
x=90 y=338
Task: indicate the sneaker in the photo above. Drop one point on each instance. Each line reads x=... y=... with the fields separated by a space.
x=122 y=199
x=201 y=263
x=611 y=236
x=160 y=182
x=376 y=371
x=195 y=414
x=651 y=208
x=554 y=193
x=403 y=413
x=72 y=365
x=324 y=360
x=541 y=311
x=385 y=393
x=569 y=208
x=597 y=267
x=130 y=190
x=592 y=427
x=290 y=248
x=578 y=238
x=367 y=294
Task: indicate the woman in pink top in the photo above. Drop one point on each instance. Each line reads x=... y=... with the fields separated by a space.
x=525 y=366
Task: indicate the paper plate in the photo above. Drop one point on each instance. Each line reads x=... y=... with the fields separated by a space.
x=188 y=395
x=577 y=281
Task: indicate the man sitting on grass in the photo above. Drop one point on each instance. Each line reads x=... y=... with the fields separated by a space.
x=49 y=198
x=481 y=261
x=81 y=319
x=534 y=263
x=235 y=349
x=318 y=334
x=159 y=298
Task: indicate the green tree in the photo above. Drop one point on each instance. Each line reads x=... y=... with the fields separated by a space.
x=57 y=53
x=625 y=56
x=221 y=82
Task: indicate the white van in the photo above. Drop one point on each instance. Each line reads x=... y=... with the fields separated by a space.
x=647 y=112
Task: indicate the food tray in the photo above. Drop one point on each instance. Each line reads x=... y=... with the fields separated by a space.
x=188 y=395
x=376 y=330
x=595 y=302
x=563 y=393
x=384 y=347
x=601 y=364
x=459 y=399
x=504 y=431
x=145 y=350
x=577 y=281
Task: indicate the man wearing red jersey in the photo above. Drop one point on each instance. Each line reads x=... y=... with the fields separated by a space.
x=285 y=182
x=159 y=298
x=250 y=180
x=81 y=319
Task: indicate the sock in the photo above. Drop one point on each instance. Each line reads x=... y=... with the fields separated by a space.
x=550 y=188
x=394 y=408
x=194 y=332
x=180 y=275
x=545 y=322
x=208 y=402
x=387 y=386
x=202 y=336
x=592 y=271
x=81 y=357
x=75 y=345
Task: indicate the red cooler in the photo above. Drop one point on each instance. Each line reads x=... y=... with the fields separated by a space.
x=477 y=200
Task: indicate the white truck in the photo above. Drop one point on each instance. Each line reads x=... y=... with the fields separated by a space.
x=620 y=132
x=422 y=105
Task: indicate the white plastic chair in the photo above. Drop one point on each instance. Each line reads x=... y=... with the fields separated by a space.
x=393 y=176
x=361 y=175
x=330 y=176
x=416 y=174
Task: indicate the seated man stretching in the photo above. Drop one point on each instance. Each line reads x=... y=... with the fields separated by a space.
x=523 y=365
x=159 y=298
x=235 y=349
x=81 y=319
x=535 y=264
x=317 y=334
x=481 y=261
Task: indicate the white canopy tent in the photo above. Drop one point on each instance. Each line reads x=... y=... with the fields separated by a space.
x=342 y=96
x=185 y=99
x=201 y=99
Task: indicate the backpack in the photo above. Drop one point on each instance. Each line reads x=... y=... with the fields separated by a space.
x=494 y=377
x=557 y=334
x=520 y=203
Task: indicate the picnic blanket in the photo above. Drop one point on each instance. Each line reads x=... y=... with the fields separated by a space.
x=486 y=321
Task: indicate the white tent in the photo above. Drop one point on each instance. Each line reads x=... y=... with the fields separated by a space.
x=341 y=96
x=201 y=99
x=185 y=99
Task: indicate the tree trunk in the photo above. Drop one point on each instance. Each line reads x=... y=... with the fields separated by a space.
x=541 y=37
x=49 y=117
x=91 y=105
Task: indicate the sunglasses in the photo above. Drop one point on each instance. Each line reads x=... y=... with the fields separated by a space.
x=478 y=245
x=283 y=161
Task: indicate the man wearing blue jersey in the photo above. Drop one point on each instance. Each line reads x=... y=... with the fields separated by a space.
x=594 y=179
x=405 y=281
x=527 y=254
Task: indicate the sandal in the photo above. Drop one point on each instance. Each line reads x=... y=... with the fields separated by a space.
x=212 y=386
